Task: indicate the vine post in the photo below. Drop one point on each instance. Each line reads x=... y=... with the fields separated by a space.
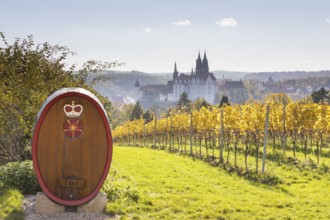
x=190 y=136
x=171 y=132
x=265 y=140
x=144 y=132
x=221 y=135
x=155 y=130
x=284 y=131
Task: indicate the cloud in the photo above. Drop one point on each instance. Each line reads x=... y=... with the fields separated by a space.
x=148 y=30
x=327 y=20
x=182 y=23
x=227 y=22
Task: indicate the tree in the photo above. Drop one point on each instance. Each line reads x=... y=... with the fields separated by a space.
x=199 y=103
x=224 y=101
x=29 y=73
x=321 y=95
x=120 y=115
x=90 y=72
x=137 y=112
x=147 y=116
x=184 y=102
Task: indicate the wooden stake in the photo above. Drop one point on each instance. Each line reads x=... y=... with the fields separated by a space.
x=265 y=141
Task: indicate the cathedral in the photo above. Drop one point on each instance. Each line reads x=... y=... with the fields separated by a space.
x=198 y=84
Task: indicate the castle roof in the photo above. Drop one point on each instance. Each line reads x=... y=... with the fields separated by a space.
x=157 y=88
x=233 y=85
x=185 y=78
x=170 y=83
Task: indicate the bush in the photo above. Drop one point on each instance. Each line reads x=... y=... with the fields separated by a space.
x=11 y=204
x=21 y=176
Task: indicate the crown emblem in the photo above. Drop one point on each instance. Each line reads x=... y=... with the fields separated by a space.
x=72 y=110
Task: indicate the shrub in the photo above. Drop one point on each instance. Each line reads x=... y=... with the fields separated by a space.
x=21 y=176
x=11 y=204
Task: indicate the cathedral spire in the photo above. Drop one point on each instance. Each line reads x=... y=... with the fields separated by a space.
x=199 y=64
x=137 y=84
x=175 y=73
x=204 y=58
x=205 y=62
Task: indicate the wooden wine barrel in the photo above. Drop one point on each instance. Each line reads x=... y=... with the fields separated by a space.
x=72 y=146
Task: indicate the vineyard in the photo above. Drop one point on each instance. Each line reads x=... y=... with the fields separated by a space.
x=233 y=134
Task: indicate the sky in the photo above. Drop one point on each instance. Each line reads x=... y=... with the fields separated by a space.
x=150 y=35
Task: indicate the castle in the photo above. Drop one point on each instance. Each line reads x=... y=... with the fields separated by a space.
x=198 y=84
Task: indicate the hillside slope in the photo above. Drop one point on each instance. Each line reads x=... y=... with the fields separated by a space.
x=122 y=83
x=177 y=187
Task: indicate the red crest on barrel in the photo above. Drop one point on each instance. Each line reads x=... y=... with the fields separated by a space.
x=72 y=128
x=73 y=125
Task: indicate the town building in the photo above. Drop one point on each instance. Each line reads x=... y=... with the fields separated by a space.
x=234 y=90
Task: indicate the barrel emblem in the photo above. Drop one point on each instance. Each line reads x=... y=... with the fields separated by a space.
x=73 y=126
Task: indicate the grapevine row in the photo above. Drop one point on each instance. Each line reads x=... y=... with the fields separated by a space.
x=214 y=132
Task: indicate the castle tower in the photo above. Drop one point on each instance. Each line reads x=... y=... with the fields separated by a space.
x=175 y=73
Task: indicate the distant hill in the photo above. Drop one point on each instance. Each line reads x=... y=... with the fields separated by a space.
x=122 y=83
x=263 y=76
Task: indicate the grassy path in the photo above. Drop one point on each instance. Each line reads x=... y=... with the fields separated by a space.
x=177 y=187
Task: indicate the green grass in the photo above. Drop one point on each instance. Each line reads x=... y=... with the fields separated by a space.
x=154 y=184
x=10 y=203
x=173 y=186
x=274 y=158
